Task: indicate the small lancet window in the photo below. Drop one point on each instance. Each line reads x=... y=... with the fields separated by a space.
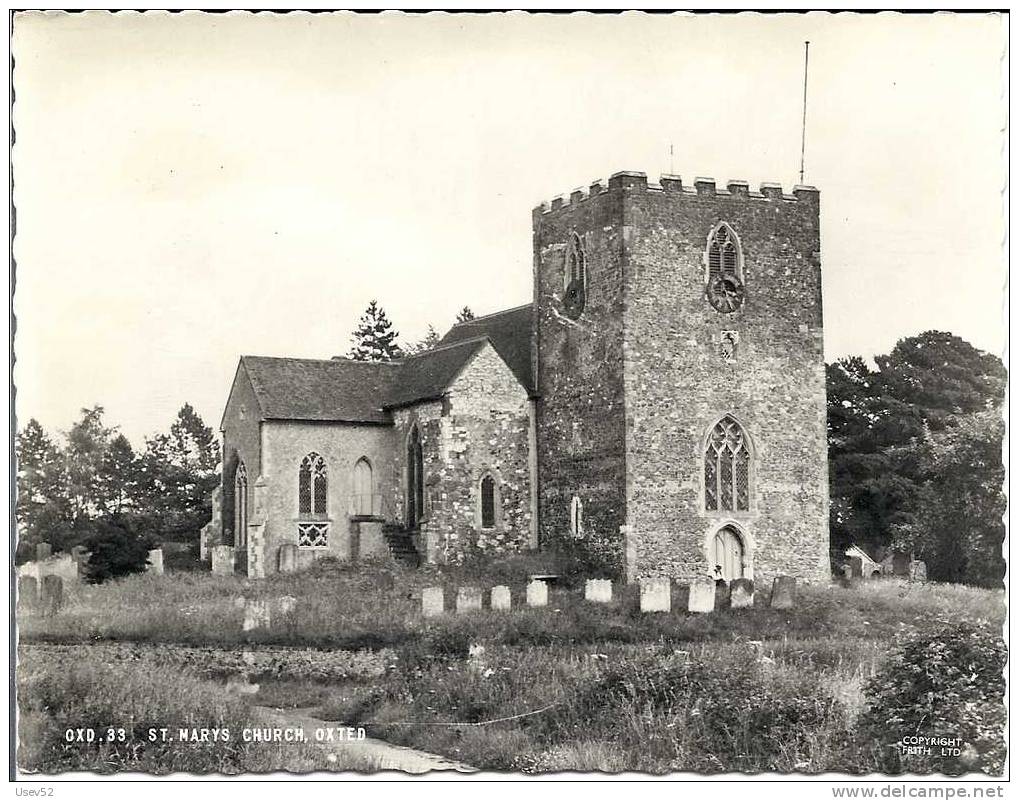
x=311 y=483
x=488 y=502
x=576 y=517
x=727 y=468
x=575 y=278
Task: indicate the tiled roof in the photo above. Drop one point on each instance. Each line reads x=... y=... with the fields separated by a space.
x=344 y=390
x=337 y=390
x=510 y=334
x=426 y=375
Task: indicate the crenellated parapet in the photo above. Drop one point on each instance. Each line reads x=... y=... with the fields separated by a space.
x=628 y=181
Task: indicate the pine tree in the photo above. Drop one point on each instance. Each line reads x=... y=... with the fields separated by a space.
x=374 y=338
x=465 y=315
x=43 y=510
x=429 y=341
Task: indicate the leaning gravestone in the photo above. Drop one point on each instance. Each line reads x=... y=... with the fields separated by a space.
x=598 y=590
x=655 y=595
x=468 y=599
x=52 y=594
x=741 y=593
x=256 y=615
x=537 y=593
x=28 y=592
x=918 y=571
x=501 y=597
x=43 y=551
x=288 y=557
x=155 y=565
x=783 y=592
x=702 y=596
x=431 y=601
x=222 y=560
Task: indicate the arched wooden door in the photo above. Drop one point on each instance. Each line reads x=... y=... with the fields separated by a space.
x=728 y=554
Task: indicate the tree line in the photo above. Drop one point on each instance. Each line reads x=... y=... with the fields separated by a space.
x=89 y=485
x=914 y=457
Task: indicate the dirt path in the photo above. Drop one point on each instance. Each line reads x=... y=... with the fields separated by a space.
x=383 y=755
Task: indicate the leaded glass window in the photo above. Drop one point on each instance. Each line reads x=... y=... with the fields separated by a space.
x=313 y=535
x=311 y=486
x=727 y=468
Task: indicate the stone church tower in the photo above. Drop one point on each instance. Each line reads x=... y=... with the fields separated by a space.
x=681 y=423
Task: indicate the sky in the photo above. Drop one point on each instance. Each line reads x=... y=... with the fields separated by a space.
x=193 y=187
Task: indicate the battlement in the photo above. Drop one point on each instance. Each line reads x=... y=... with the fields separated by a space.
x=673 y=184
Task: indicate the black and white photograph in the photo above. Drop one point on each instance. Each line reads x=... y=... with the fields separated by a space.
x=509 y=396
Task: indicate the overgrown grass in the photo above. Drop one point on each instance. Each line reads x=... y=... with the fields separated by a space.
x=357 y=607
x=574 y=686
x=82 y=690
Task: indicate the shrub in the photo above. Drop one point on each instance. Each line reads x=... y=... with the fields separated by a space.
x=943 y=681
x=116 y=550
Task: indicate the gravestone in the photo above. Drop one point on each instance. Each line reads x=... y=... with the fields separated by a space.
x=43 y=551
x=741 y=593
x=155 y=565
x=598 y=590
x=28 y=592
x=918 y=571
x=655 y=595
x=288 y=557
x=537 y=593
x=468 y=599
x=287 y=604
x=223 y=560
x=431 y=601
x=783 y=592
x=702 y=596
x=256 y=615
x=501 y=597
x=52 y=594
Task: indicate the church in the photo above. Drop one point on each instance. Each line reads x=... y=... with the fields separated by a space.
x=659 y=405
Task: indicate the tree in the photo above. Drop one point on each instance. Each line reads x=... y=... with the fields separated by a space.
x=115 y=549
x=88 y=441
x=961 y=523
x=119 y=476
x=177 y=474
x=430 y=340
x=374 y=338
x=465 y=315
x=894 y=434
x=42 y=508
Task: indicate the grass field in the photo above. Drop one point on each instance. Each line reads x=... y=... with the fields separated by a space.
x=574 y=686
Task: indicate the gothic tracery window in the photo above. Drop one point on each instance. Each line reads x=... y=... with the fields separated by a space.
x=727 y=468
x=575 y=278
x=312 y=485
x=725 y=270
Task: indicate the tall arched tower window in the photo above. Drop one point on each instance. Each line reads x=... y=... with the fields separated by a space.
x=725 y=288
x=727 y=468
x=415 y=479
x=575 y=277
x=240 y=506
x=576 y=517
x=311 y=486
